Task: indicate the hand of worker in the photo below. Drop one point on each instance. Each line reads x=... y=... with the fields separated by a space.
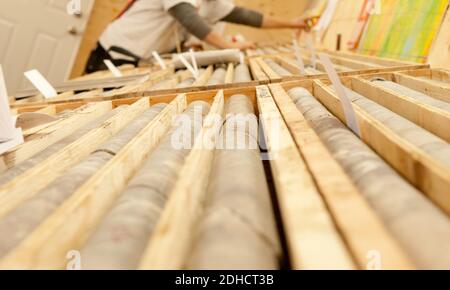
x=217 y=40
x=300 y=23
x=297 y=23
x=244 y=45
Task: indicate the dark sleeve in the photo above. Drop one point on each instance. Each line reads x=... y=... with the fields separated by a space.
x=188 y=16
x=245 y=16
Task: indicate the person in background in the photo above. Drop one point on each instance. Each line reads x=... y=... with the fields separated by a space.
x=158 y=25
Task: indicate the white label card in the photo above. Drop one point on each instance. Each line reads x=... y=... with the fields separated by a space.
x=160 y=61
x=112 y=68
x=10 y=137
x=41 y=84
x=194 y=61
x=6 y=122
x=349 y=111
x=188 y=66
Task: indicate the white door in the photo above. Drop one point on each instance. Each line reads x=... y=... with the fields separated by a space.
x=40 y=34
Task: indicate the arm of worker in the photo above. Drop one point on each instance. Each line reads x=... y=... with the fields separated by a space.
x=248 y=17
x=189 y=18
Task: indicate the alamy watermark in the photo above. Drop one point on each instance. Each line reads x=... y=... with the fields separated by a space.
x=232 y=132
x=73 y=260
x=374 y=260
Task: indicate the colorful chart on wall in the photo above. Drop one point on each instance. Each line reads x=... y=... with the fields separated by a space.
x=404 y=29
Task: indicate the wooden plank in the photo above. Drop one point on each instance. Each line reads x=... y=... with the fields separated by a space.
x=369 y=59
x=85 y=95
x=424 y=172
x=442 y=75
x=169 y=245
x=53 y=134
x=29 y=183
x=34 y=131
x=265 y=67
x=363 y=231
x=430 y=88
x=312 y=239
x=433 y=119
x=203 y=79
x=183 y=75
x=72 y=223
x=50 y=110
x=353 y=64
x=288 y=64
x=230 y=74
x=257 y=71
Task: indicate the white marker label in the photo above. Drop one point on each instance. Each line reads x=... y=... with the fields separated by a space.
x=160 y=61
x=349 y=112
x=188 y=66
x=6 y=123
x=41 y=84
x=299 y=57
x=112 y=68
x=10 y=137
x=194 y=61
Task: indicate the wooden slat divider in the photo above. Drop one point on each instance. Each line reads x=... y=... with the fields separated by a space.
x=312 y=239
x=361 y=227
x=29 y=183
x=423 y=171
x=170 y=243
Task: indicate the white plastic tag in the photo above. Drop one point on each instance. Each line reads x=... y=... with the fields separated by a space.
x=349 y=111
x=113 y=69
x=10 y=137
x=194 y=61
x=41 y=84
x=160 y=61
x=188 y=66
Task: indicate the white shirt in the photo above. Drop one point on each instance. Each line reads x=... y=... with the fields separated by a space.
x=147 y=26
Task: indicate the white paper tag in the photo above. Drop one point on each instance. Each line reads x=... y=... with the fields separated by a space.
x=312 y=50
x=113 y=69
x=299 y=57
x=7 y=124
x=10 y=137
x=194 y=61
x=41 y=84
x=160 y=61
x=349 y=111
x=188 y=66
